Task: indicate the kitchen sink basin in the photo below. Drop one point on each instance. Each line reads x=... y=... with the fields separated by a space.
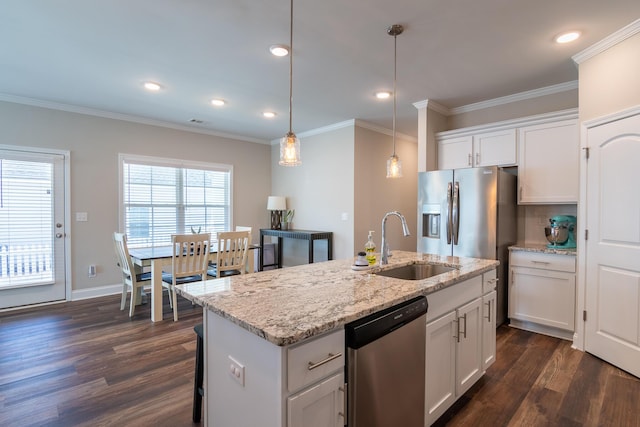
x=415 y=271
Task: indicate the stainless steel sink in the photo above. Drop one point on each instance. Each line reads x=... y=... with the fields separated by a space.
x=415 y=271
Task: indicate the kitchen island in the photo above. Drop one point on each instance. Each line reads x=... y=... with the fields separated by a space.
x=263 y=329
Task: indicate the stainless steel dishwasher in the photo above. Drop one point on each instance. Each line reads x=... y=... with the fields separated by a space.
x=386 y=367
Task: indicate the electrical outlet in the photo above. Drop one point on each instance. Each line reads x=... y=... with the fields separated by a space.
x=236 y=370
x=92 y=271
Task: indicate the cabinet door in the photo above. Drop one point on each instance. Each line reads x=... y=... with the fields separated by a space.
x=543 y=296
x=495 y=148
x=455 y=153
x=548 y=165
x=469 y=351
x=320 y=405
x=440 y=374
x=488 y=329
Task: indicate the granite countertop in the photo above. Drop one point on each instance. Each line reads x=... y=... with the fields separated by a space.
x=288 y=305
x=542 y=248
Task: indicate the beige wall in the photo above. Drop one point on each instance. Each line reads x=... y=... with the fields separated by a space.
x=514 y=110
x=609 y=82
x=320 y=190
x=94 y=144
x=343 y=172
x=376 y=195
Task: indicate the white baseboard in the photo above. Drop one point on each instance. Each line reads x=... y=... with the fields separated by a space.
x=99 y=291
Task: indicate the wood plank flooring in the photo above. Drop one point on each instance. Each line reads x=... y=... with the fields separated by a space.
x=85 y=363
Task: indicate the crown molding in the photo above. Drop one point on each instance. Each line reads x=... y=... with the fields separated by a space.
x=571 y=113
x=521 y=96
x=432 y=105
x=606 y=43
x=124 y=117
x=351 y=123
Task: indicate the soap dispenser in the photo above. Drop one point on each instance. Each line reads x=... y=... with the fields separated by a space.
x=370 y=249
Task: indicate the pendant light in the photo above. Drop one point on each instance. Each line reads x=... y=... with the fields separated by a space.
x=290 y=144
x=394 y=165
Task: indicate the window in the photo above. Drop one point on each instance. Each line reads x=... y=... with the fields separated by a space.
x=161 y=197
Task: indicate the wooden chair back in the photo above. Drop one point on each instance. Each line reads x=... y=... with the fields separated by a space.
x=232 y=252
x=190 y=253
x=124 y=260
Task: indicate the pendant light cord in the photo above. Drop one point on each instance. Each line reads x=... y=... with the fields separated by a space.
x=291 y=71
x=395 y=66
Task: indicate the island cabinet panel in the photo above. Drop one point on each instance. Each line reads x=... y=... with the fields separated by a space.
x=297 y=386
x=459 y=346
x=321 y=405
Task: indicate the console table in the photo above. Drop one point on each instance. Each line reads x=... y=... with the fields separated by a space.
x=307 y=235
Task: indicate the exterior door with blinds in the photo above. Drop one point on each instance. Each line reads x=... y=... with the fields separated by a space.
x=32 y=228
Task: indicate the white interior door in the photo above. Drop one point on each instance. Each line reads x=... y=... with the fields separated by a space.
x=613 y=246
x=32 y=230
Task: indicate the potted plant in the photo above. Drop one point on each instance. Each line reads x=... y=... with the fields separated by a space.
x=287 y=217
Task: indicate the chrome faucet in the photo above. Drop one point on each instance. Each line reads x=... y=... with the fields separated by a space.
x=384 y=258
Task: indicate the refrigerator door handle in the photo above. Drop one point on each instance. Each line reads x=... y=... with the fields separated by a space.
x=456 y=212
x=449 y=211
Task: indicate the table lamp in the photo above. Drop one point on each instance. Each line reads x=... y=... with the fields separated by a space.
x=276 y=204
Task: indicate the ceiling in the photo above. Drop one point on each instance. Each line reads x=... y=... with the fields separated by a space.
x=94 y=56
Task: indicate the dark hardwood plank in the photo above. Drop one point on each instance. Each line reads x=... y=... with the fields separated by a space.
x=86 y=363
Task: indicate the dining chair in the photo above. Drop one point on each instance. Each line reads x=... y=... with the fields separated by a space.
x=130 y=279
x=189 y=256
x=231 y=256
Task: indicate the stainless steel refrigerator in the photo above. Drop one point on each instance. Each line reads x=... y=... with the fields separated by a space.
x=469 y=213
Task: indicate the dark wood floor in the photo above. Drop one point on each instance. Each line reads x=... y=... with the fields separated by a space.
x=85 y=363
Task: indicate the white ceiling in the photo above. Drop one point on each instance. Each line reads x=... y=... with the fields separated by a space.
x=96 y=54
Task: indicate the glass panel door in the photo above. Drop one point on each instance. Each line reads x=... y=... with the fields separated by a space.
x=32 y=232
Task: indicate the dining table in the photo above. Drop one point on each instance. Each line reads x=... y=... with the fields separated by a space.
x=157 y=257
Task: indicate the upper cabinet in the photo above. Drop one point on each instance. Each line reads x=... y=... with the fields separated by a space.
x=495 y=148
x=548 y=165
x=545 y=148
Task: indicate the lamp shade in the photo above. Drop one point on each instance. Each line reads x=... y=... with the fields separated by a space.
x=276 y=203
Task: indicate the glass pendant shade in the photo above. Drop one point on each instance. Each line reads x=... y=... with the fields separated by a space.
x=394 y=167
x=290 y=150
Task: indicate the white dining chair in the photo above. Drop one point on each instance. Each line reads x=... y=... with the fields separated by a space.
x=130 y=279
x=189 y=256
x=231 y=256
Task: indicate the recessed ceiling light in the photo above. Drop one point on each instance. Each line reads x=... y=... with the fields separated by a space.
x=279 y=50
x=268 y=114
x=218 y=102
x=152 y=86
x=567 y=37
x=383 y=94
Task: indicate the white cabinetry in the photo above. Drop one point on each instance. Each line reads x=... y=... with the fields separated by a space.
x=297 y=386
x=456 y=336
x=489 y=301
x=548 y=163
x=495 y=148
x=542 y=293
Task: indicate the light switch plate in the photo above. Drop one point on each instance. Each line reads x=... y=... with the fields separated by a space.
x=81 y=216
x=236 y=370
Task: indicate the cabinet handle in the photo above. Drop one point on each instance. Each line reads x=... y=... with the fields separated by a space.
x=469 y=159
x=540 y=262
x=343 y=389
x=477 y=159
x=520 y=197
x=465 y=325
x=457 y=336
x=488 y=316
x=328 y=359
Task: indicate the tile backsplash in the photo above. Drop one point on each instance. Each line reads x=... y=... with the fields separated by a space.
x=532 y=219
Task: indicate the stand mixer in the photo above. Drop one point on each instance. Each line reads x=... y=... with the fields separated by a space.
x=560 y=232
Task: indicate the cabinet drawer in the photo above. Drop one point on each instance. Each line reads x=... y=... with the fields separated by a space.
x=448 y=299
x=305 y=361
x=541 y=260
x=489 y=281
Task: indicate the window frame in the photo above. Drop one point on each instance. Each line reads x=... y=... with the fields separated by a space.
x=168 y=162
